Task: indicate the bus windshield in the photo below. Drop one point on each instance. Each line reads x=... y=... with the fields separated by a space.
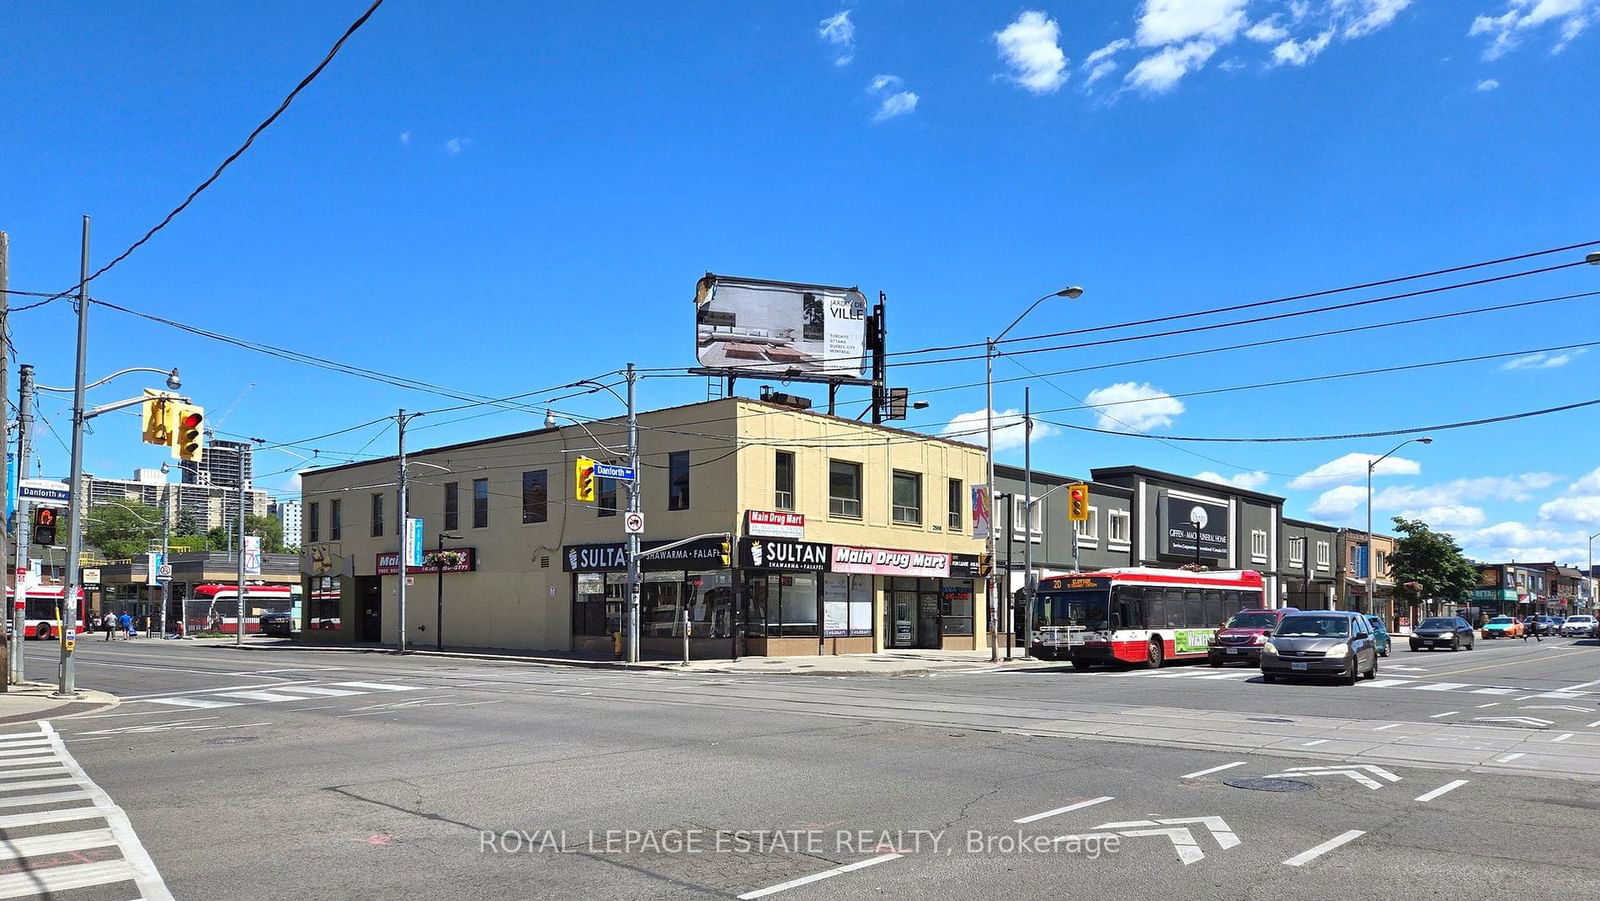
x=1085 y=609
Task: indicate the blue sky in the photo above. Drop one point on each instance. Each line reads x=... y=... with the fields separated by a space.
x=498 y=197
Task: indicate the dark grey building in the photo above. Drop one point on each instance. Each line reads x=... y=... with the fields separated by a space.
x=1308 y=565
x=1237 y=528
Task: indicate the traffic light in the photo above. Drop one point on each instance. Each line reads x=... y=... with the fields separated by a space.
x=727 y=552
x=583 y=479
x=44 y=525
x=186 y=437
x=158 y=410
x=983 y=566
x=1078 y=502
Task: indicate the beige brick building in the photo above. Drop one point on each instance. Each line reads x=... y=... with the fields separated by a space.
x=848 y=538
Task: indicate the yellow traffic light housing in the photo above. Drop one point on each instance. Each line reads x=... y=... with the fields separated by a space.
x=187 y=434
x=158 y=418
x=583 y=487
x=1078 y=502
x=727 y=552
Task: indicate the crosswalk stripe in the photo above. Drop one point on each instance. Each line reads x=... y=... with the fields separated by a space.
x=24 y=741
x=201 y=703
x=22 y=761
x=67 y=815
x=23 y=752
x=35 y=783
x=1386 y=683
x=56 y=843
x=1244 y=674
x=1495 y=691
x=323 y=692
x=55 y=770
x=1439 y=686
x=379 y=686
x=258 y=696
x=60 y=879
x=49 y=798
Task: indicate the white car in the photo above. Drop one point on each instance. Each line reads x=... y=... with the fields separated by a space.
x=1582 y=626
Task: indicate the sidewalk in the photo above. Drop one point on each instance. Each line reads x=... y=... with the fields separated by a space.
x=888 y=663
x=29 y=701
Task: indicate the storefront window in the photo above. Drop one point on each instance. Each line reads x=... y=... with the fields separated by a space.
x=781 y=605
x=955 y=606
x=661 y=604
x=597 y=604
x=324 y=607
x=710 y=598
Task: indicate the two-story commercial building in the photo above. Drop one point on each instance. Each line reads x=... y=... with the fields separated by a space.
x=848 y=537
x=1354 y=557
x=1307 y=564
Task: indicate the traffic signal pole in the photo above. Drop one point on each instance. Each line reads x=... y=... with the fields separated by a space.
x=403 y=531
x=67 y=685
x=632 y=612
x=24 y=430
x=5 y=424
x=1027 y=521
x=238 y=633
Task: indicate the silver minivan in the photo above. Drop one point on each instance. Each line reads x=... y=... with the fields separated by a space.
x=1327 y=643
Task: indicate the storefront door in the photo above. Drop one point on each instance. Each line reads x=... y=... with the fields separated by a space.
x=928 y=619
x=904 y=632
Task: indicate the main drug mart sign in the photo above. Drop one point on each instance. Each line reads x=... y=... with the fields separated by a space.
x=774 y=524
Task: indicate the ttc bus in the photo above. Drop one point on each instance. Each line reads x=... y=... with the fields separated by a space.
x=214 y=606
x=1137 y=615
x=42 y=611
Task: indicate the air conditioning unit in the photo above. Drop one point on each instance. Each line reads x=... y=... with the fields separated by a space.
x=786 y=400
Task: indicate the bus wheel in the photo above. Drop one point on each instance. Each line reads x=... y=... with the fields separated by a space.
x=1152 y=659
x=43 y=632
x=1078 y=663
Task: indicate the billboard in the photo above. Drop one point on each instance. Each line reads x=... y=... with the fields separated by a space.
x=1179 y=536
x=780 y=327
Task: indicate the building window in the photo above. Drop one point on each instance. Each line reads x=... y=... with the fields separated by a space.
x=1324 y=554
x=1019 y=513
x=1088 y=531
x=1258 y=545
x=783 y=481
x=313 y=527
x=335 y=519
x=452 y=506
x=1297 y=551
x=377 y=516
x=1383 y=566
x=956 y=498
x=907 y=505
x=678 y=480
x=844 y=489
x=535 y=496
x=1119 y=527
x=480 y=503
x=606 y=491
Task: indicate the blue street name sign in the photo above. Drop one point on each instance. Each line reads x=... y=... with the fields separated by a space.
x=613 y=471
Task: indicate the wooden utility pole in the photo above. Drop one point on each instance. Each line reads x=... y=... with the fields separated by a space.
x=5 y=433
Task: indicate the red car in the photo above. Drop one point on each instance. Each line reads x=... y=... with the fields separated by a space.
x=1241 y=639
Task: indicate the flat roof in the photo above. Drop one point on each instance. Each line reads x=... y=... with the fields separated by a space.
x=1054 y=478
x=1290 y=521
x=1146 y=473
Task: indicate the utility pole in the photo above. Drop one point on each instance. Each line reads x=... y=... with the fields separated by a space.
x=632 y=613
x=5 y=425
x=67 y=686
x=1027 y=514
x=238 y=636
x=24 y=427
x=166 y=551
x=402 y=530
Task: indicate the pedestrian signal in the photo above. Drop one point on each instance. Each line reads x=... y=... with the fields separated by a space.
x=44 y=525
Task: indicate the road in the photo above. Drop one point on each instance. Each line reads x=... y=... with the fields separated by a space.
x=314 y=774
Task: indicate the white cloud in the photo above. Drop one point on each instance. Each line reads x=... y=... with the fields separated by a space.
x=884 y=83
x=1513 y=540
x=1163 y=22
x=454 y=146
x=1363 y=17
x=1340 y=501
x=1267 y=31
x=1109 y=50
x=293 y=484
x=1101 y=70
x=1130 y=406
x=839 y=33
x=1351 y=468
x=1249 y=481
x=1544 y=359
x=1505 y=31
x=1298 y=53
x=1030 y=47
x=1230 y=65
x=1488 y=84
x=405 y=137
x=1161 y=72
x=1580 y=509
x=1588 y=484
x=1518 y=488
x=1008 y=429
x=896 y=104
x=1448 y=517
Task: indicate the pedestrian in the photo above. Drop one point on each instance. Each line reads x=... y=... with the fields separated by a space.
x=125 y=622
x=108 y=623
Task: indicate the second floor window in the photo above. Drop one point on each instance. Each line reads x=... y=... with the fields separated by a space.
x=955 y=504
x=1089 y=529
x=783 y=481
x=678 y=480
x=1034 y=519
x=452 y=506
x=480 y=503
x=844 y=489
x=907 y=498
x=535 y=496
x=377 y=516
x=1297 y=551
x=313 y=525
x=1258 y=545
x=1324 y=553
x=606 y=493
x=335 y=519
x=1119 y=526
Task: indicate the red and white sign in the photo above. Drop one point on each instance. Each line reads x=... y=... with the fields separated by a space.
x=774 y=524
x=885 y=562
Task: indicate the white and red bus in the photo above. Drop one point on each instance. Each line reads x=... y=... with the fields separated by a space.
x=214 y=606
x=41 y=611
x=1137 y=616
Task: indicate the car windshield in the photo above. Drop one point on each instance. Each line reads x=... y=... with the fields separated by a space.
x=1315 y=627
x=1580 y=619
x=1500 y=621
x=1438 y=623
x=1252 y=621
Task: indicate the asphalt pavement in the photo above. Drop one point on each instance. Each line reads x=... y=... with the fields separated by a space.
x=291 y=773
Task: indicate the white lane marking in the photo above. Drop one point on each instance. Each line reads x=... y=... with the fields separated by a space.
x=35 y=783
x=1440 y=686
x=1406 y=669
x=268 y=696
x=1510 y=757
x=1583 y=685
x=1555 y=707
x=1561 y=695
x=51 y=880
x=24 y=752
x=137 y=860
x=198 y=703
x=18 y=741
x=1390 y=726
x=11 y=821
x=1593 y=725
x=1447 y=787
x=1562 y=737
x=56 y=843
x=201 y=691
x=1494 y=691
x=1239 y=675
x=1310 y=854
x=55 y=770
x=817 y=877
x=1034 y=818
x=323 y=692
x=1386 y=683
x=47 y=798
x=1215 y=769
x=379 y=686
x=1320 y=741
x=24 y=761
x=1440 y=716
x=1490 y=704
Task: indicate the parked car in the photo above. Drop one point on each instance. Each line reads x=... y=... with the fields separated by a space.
x=1241 y=637
x=1559 y=621
x=1580 y=626
x=1440 y=632
x=1502 y=627
x=1334 y=643
x=1380 y=635
x=280 y=624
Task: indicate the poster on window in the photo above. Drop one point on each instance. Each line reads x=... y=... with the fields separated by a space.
x=980 y=511
x=846 y=606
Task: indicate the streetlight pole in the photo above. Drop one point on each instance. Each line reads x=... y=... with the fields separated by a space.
x=1372 y=568
x=24 y=428
x=67 y=684
x=238 y=633
x=1027 y=513
x=402 y=530
x=633 y=507
x=438 y=618
x=988 y=429
x=1588 y=574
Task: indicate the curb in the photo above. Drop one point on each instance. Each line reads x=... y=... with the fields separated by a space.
x=90 y=701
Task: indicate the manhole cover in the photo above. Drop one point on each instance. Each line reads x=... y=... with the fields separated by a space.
x=1268 y=719
x=237 y=740
x=1270 y=785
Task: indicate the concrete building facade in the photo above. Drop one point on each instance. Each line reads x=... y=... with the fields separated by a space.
x=1308 y=564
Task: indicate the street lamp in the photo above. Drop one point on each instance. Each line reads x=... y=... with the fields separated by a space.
x=1072 y=293
x=1372 y=569
x=438 y=620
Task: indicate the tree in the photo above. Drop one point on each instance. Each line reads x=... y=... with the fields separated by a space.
x=1429 y=565
x=267 y=527
x=186 y=524
x=122 y=530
